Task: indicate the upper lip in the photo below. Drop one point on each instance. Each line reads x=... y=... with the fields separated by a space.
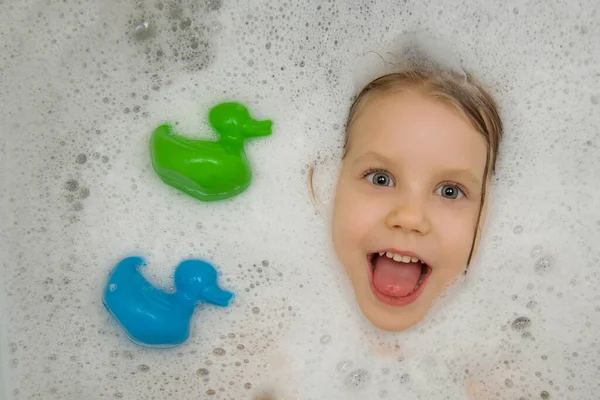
x=402 y=253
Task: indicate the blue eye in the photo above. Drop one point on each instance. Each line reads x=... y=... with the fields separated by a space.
x=451 y=192
x=380 y=178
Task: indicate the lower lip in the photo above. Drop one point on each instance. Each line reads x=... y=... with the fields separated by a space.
x=397 y=301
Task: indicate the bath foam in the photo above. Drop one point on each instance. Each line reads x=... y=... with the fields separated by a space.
x=85 y=83
x=405 y=51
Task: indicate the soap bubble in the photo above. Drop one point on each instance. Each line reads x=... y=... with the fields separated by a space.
x=357 y=379
x=325 y=339
x=214 y=5
x=215 y=26
x=84 y=193
x=536 y=251
x=81 y=158
x=344 y=366
x=144 y=30
x=521 y=323
x=71 y=185
x=185 y=23
x=543 y=265
x=219 y=351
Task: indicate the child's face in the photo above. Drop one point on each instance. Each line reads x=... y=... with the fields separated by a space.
x=411 y=183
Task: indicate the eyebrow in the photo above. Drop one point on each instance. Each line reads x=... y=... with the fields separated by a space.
x=369 y=155
x=467 y=174
x=464 y=173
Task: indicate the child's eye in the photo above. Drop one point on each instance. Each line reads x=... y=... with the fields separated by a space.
x=450 y=191
x=380 y=178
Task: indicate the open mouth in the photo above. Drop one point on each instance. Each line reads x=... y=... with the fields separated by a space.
x=397 y=278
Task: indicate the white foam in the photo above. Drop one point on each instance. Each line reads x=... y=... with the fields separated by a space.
x=76 y=79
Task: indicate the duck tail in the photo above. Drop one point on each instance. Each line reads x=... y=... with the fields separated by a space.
x=126 y=268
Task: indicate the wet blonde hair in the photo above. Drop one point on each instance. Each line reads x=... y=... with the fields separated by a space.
x=460 y=91
x=457 y=89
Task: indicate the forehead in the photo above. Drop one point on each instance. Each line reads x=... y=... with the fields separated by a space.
x=410 y=127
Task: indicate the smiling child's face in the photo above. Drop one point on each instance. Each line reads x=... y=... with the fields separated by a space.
x=406 y=205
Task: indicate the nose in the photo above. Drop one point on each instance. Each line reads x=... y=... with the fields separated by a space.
x=409 y=213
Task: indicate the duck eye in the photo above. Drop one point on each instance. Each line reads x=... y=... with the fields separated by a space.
x=450 y=192
x=379 y=178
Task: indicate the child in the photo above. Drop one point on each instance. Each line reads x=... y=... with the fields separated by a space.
x=420 y=149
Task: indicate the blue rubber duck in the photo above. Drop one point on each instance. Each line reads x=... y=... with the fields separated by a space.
x=155 y=318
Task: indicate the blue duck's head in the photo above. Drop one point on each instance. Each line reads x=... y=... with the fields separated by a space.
x=197 y=281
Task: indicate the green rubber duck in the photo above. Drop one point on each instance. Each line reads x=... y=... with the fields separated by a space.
x=208 y=170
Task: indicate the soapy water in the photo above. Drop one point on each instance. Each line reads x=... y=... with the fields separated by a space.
x=84 y=84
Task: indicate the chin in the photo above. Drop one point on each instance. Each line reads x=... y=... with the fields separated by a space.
x=395 y=321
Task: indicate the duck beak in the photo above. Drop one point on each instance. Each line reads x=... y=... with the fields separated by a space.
x=253 y=128
x=214 y=295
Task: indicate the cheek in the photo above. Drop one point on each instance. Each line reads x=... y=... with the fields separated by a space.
x=456 y=229
x=342 y=219
x=353 y=219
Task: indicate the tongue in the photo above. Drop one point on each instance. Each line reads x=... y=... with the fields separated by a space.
x=396 y=279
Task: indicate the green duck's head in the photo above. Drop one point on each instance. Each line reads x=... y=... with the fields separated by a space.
x=234 y=124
